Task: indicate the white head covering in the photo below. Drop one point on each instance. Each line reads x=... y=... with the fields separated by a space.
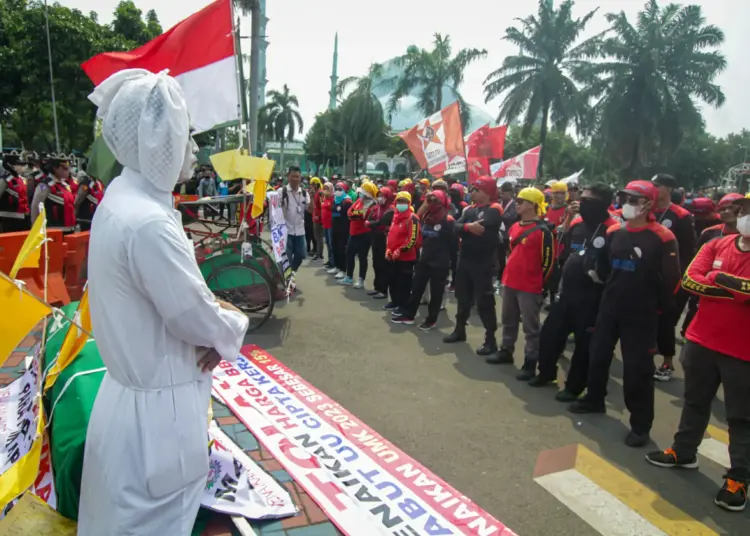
x=145 y=124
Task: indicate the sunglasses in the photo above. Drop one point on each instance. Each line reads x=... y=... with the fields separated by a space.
x=633 y=199
x=473 y=189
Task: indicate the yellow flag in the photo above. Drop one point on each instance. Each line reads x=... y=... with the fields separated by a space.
x=21 y=475
x=28 y=257
x=232 y=165
x=74 y=341
x=31 y=515
x=259 y=195
x=21 y=313
x=224 y=164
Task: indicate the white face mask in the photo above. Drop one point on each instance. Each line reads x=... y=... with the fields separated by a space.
x=631 y=212
x=743 y=225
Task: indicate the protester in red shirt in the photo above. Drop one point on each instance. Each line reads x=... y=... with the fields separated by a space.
x=316 y=187
x=380 y=222
x=326 y=221
x=530 y=263
x=718 y=353
x=360 y=233
x=401 y=249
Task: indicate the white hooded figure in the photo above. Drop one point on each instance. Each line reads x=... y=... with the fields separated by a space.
x=158 y=327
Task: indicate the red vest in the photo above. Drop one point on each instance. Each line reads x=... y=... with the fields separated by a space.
x=93 y=198
x=60 y=206
x=15 y=199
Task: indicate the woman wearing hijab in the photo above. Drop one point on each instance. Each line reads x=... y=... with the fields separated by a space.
x=160 y=330
x=380 y=221
x=358 y=246
x=401 y=250
x=326 y=220
x=340 y=227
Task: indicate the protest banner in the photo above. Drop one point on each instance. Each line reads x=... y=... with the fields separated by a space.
x=19 y=408
x=522 y=166
x=437 y=142
x=363 y=483
x=278 y=231
x=238 y=487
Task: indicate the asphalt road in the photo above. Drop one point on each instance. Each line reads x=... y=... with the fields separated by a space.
x=471 y=423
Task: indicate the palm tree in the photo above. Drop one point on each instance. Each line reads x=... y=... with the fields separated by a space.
x=283 y=118
x=654 y=72
x=430 y=72
x=540 y=81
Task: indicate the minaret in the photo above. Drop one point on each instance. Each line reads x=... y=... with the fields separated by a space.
x=334 y=74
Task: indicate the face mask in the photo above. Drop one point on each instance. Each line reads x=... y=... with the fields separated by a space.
x=402 y=208
x=630 y=212
x=743 y=225
x=339 y=196
x=381 y=200
x=593 y=211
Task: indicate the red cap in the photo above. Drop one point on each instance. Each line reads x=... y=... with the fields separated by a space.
x=343 y=186
x=642 y=188
x=459 y=188
x=393 y=185
x=702 y=205
x=441 y=195
x=487 y=185
x=728 y=200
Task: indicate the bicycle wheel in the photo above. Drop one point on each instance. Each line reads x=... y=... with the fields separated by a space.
x=246 y=288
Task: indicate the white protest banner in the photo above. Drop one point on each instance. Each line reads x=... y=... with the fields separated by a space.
x=19 y=408
x=44 y=485
x=278 y=230
x=238 y=487
x=522 y=166
x=363 y=483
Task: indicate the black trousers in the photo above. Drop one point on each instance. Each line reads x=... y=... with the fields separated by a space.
x=637 y=336
x=502 y=258
x=474 y=286
x=435 y=276
x=402 y=273
x=692 y=309
x=309 y=233
x=668 y=323
x=454 y=261
x=358 y=247
x=705 y=370
x=340 y=238
x=380 y=265
x=568 y=315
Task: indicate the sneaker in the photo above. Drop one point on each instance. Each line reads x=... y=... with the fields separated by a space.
x=733 y=496
x=427 y=325
x=566 y=396
x=332 y=270
x=379 y=296
x=397 y=311
x=372 y=292
x=585 y=405
x=664 y=374
x=451 y=288
x=541 y=381
x=635 y=440
x=390 y=306
x=526 y=373
x=503 y=357
x=668 y=458
x=456 y=336
x=402 y=319
x=346 y=281
x=359 y=283
x=488 y=348
x=340 y=275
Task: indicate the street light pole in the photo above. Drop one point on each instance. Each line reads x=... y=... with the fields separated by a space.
x=254 y=74
x=51 y=79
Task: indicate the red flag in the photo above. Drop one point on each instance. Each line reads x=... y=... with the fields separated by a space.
x=437 y=142
x=523 y=166
x=477 y=166
x=198 y=52
x=496 y=141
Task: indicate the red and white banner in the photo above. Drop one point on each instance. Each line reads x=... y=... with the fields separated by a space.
x=523 y=166
x=198 y=52
x=437 y=142
x=364 y=484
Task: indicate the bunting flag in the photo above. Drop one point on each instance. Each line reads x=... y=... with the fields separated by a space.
x=27 y=312
x=437 y=142
x=28 y=256
x=198 y=52
x=75 y=340
x=523 y=166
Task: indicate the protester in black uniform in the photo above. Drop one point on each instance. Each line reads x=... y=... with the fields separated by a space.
x=585 y=268
x=678 y=220
x=479 y=228
x=14 y=203
x=645 y=272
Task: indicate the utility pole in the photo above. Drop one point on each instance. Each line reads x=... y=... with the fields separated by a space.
x=51 y=79
x=255 y=38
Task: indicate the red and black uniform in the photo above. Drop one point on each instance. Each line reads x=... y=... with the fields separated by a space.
x=717 y=351
x=680 y=221
x=644 y=273
x=403 y=240
x=555 y=216
x=14 y=205
x=476 y=266
x=340 y=228
x=380 y=221
x=457 y=207
x=360 y=235
x=585 y=267
x=60 y=206
x=93 y=191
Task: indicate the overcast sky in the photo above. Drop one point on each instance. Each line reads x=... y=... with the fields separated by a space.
x=301 y=33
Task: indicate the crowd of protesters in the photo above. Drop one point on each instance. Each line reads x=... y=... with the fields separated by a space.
x=615 y=267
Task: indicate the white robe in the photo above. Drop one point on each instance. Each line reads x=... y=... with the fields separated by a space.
x=146 y=457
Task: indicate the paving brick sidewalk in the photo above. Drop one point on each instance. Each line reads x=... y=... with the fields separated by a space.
x=311 y=520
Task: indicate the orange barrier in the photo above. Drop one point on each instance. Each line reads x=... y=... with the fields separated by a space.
x=179 y=198
x=76 y=258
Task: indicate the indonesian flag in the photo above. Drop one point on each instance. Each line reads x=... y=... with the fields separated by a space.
x=198 y=52
x=523 y=166
x=437 y=142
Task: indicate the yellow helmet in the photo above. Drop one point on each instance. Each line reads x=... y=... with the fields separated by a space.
x=370 y=188
x=404 y=183
x=533 y=195
x=314 y=181
x=559 y=187
x=404 y=195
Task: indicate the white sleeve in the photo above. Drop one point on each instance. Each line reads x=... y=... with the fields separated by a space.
x=166 y=270
x=40 y=196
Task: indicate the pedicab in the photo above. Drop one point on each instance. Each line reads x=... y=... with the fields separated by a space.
x=238 y=265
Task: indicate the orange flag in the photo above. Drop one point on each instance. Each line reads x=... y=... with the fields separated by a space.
x=437 y=142
x=74 y=341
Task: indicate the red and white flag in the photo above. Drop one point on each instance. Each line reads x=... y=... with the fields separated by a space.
x=437 y=142
x=483 y=144
x=198 y=52
x=523 y=166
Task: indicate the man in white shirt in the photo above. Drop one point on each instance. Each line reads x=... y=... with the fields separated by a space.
x=294 y=203
x=159 y=329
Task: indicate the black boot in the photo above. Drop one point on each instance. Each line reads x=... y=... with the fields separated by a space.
x=489 y=347
x=459 y=333
x=526 y=372
x=503 y=357
x=540 y=380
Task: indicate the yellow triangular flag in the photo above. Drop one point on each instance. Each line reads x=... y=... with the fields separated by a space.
x=224 y=164
x=75 y=340
x=28 y=256
x=254 y=168
x=23 y=313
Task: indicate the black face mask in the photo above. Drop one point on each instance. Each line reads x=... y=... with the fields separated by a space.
x=593 y=211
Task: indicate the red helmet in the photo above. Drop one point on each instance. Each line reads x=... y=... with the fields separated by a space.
x=487 y=185
x=642 y=188
x=728 y=200
x=702 y=205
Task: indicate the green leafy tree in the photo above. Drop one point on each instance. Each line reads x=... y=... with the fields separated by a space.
x=654 y=73
x=539 y=83
x=153 y=27
x=283 y=117
x=129 y=23
x=432 y=74
x=324 y=141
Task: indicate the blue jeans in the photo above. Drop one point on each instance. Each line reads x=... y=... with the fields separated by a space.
x=296 y=250
x=329 y=244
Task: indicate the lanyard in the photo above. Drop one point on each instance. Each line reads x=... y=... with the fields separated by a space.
x=665 y=212
x=593 y=236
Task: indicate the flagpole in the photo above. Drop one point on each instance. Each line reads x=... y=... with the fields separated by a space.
x=237 y=70
x=51 y=78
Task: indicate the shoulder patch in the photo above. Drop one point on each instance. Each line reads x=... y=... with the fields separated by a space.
x=576 y=221
x=680 y=211
x=614 y=228
x=662 y=232
x=450 y=218
x=498 y=207
x=713 y=228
